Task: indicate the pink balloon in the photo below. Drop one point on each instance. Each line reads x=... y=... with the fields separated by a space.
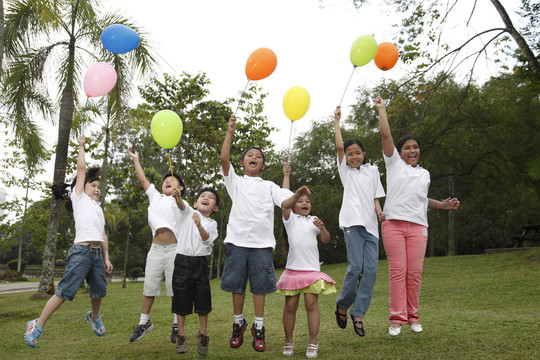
x=99 y=79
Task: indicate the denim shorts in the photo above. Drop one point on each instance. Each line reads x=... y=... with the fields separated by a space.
x=254 y=264
x=83 y=262
x=191 y=285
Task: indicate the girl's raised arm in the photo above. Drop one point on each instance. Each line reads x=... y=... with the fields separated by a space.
x=339 y=139
x=81 y=167
x=286 y=185
x=387 y=141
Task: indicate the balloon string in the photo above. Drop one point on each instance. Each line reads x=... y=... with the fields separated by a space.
x=350 y=77
x=83 y=116
x=290 y=137
x=172 y=174
x=241 y=96
x=380 y=83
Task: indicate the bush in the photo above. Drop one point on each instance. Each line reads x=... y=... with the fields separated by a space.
x=60 y=262
x=12 y=275
x=12 y=264
x=135 y=272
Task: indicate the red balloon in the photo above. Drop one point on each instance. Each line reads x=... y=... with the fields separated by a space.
x=260 y=64
x=387 y=56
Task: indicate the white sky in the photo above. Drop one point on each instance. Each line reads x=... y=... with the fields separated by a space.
x=311 y=39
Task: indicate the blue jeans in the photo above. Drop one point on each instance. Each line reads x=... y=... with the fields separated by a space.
x=83 y=262
x=362 y=254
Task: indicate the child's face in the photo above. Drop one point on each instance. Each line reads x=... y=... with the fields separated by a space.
x=354 y=155
x=253 y=162
x=410 y=152
x=92 y=189
x=302 y=206
x=206 y=203
x=169 y=184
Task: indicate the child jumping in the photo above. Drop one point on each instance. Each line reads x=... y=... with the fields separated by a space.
x=358 y=218
x=250 y=236
x=88 y=257
x=160 y=258
x=191 y=284
x=303 y=270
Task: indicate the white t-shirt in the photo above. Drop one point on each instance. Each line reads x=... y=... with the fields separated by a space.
x=161 y=211
x=360 y=189
x=407 y=188
x=251 y=221
x=303 y=252
x=89 y=218
x=190 y=242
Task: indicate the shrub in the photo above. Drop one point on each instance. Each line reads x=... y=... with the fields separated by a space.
x=60 y=262
x=135 y=272
x=12 y=264
x=11 y=275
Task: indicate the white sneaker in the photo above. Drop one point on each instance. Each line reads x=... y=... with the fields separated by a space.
x=394 y=331
x=416 y=328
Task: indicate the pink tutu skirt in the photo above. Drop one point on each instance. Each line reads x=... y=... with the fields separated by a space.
x=293 y=282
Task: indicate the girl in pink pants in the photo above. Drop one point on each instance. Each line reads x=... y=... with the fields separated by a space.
x=405 y=230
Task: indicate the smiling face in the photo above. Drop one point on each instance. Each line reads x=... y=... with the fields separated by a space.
x=302 y=206
x=206 y=203
x=92 y=189
x=169 y=183
x=410 y=152
x=253 y=162
x=354 y=155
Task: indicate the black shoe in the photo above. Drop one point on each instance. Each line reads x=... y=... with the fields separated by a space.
x=358 y=330
x=340 y=322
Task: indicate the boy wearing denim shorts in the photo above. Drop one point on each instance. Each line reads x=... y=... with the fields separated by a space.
x=160 y=257
x=250 y=236
x=191 y=283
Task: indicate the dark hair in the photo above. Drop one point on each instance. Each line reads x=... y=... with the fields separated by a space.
x=209 y=189
x=254 y=147
x=180 y=181
x=402 y=140
x=350 y=142
x=61 y=192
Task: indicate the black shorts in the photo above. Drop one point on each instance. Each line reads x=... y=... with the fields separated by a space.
x=191 y=285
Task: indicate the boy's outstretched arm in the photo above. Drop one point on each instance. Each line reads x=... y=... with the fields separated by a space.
x=387 y=141
x=81 y=167
x=177 y=196
x=224 y=158
x=139 y=170
x=289 y=203
x=286 y=185
x=337 y=129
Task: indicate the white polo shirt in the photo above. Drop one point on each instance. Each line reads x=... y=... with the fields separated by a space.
x=89 y=218
x=360 y=189
x=190 y=242
x=251 y=221
x=407 y=188
x=161 y=211
x=303 y=252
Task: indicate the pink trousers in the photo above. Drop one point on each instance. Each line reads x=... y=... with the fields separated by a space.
x=405 y=246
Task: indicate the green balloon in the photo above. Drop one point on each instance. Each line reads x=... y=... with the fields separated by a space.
x=363 y=50
x=166 y=128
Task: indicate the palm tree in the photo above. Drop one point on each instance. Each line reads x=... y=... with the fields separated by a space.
x=57 y=35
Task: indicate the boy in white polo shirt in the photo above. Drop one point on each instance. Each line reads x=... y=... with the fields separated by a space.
x=191 y=284
x=160 y=258
x=250 y=236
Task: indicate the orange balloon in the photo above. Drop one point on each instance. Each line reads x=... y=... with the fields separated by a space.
x=260 y=64
x=387 y=56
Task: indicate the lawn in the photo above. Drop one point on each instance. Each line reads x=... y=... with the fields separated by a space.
x=472 y=307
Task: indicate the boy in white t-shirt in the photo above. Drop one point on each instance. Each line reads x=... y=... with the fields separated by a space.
x=160 y=258
x=250 y=236
x=191 y=283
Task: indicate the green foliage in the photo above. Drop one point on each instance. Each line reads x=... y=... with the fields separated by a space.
x=135 y=272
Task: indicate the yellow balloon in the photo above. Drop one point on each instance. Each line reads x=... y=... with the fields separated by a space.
x=296 y=102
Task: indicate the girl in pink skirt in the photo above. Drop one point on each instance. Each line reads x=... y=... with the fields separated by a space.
x=302 y=272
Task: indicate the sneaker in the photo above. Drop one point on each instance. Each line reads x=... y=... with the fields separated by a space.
x=258 y=339
x=181 y=344
x=97 y=325
x=33 y=332
x=394 y=331
x=202 y=343
x=141 y=330
x=174 y=333
x=237 y=338
x=416 y=328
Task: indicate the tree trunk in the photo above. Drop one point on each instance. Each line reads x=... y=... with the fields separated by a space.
x=126 y=252
x=522 y=44
x=104 y=169
x=19 y=255
x=219 y=262
x=452 y=246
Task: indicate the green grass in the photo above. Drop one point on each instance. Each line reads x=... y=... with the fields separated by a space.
x=472 y=307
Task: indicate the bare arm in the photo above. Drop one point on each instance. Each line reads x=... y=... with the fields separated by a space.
x=81 y=167
x=179 y=202
x=139 y=170
x=286 y=185
x=202 y=231
x=226 y=148
x=339 y=139
x=387 y=141
x=289 y=203
x=446 y=204
x=378 y=210
x=105 y=251
x=324 y=235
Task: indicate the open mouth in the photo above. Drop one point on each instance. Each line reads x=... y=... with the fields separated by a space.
x=205 y=203
x=304 y=208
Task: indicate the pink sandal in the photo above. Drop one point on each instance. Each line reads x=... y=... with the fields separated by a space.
x=312 y=351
